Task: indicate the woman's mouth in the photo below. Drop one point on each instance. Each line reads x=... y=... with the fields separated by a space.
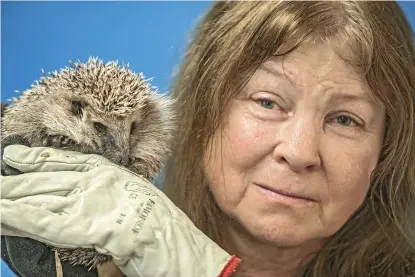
x=283 y=196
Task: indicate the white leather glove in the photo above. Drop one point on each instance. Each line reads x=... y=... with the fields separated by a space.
x=74 y=200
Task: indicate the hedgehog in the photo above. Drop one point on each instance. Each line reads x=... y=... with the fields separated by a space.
x=94 y=108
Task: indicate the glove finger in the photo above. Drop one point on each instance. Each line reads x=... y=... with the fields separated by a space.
x=27 y=184
x=27 y=159
x=52 y=203
x=35 y=223
x=25 y=218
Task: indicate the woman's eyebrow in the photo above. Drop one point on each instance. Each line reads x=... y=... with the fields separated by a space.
x=360 y=96
x=347 y=96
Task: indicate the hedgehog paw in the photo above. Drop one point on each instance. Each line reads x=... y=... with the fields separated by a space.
x=7 y=170
x=57 y=141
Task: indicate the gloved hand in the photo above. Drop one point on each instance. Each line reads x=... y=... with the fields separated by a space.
x=74 y=200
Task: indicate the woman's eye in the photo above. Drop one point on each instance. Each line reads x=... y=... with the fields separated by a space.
x=346 y=121
x=267 y=104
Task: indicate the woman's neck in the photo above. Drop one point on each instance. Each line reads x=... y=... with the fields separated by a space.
x=262 y=259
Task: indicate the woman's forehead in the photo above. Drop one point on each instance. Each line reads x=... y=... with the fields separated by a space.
x=310 y=66
x=318 y=59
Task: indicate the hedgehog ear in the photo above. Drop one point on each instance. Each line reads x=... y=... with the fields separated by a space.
x=77 y=108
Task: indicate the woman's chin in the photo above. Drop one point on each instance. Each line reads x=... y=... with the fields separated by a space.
x=281 y=232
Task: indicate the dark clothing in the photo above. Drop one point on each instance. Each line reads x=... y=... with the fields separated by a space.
x=30 y=258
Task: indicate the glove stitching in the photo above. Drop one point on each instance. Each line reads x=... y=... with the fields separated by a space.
x=67 y=191
x=45 y=162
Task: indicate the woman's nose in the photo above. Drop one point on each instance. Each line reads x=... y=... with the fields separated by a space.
x=298 y=144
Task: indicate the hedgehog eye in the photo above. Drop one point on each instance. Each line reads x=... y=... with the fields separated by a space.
x=100 y=127
x=77 y=107
x=133 y=126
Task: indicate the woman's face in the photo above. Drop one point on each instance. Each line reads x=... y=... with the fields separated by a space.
x=294 y=158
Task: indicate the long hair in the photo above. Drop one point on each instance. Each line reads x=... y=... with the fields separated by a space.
x=233 y=39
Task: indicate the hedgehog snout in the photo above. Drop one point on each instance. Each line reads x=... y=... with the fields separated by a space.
x=118 y=158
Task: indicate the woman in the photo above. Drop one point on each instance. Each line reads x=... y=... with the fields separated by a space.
x=296 y=151
x=352 y=50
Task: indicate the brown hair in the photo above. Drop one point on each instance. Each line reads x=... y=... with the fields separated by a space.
x=233 y=39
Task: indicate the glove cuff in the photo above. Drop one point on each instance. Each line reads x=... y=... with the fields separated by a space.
x=230 y=267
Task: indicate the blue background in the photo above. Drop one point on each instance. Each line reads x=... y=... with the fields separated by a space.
x=151 y=36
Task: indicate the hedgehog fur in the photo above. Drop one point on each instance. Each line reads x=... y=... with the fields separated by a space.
x=94 y=107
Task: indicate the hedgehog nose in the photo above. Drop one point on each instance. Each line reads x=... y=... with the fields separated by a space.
x=121 y=159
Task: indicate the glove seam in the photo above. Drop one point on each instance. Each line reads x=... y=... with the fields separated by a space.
x=49 y=161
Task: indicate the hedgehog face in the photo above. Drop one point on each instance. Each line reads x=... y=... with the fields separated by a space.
x=103 y=134
x=137 y=140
